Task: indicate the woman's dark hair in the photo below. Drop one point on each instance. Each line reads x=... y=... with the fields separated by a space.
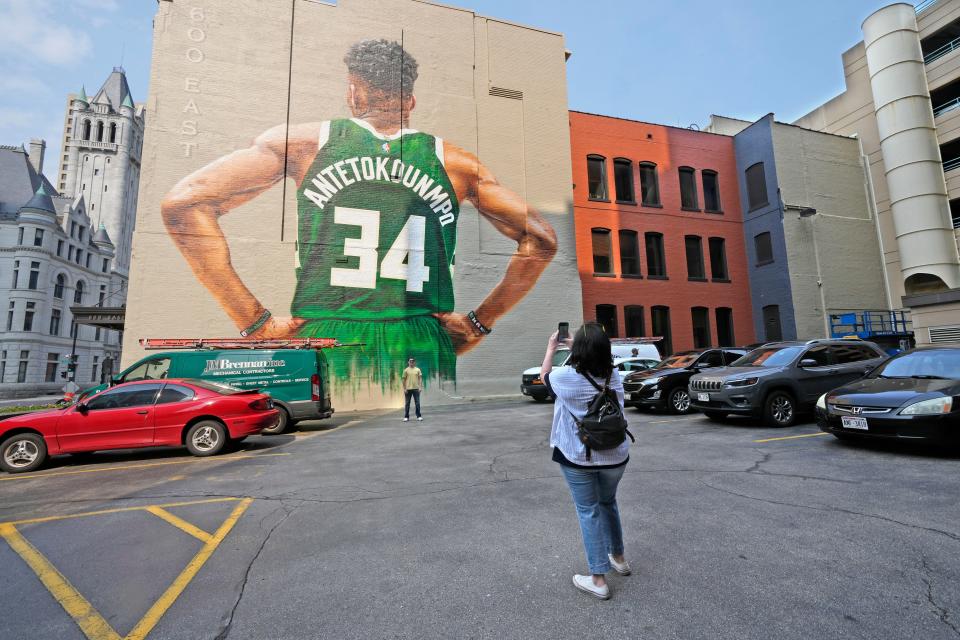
x=590 y=353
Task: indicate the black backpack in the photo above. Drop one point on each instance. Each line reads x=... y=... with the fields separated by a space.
x=603 y=425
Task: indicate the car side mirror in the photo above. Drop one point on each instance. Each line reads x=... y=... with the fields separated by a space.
x=808 y=362
x=82 y=407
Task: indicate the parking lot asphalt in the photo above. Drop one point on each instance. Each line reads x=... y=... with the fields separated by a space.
x=461 y=527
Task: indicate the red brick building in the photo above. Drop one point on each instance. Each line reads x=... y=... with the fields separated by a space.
x=660 y=245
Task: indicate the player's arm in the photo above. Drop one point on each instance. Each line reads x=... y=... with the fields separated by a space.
x=514 y=218
x=191 y=212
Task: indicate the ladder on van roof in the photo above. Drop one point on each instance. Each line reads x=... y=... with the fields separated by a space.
x=242 y=343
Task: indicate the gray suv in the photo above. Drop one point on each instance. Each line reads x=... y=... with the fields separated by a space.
x=780 y=379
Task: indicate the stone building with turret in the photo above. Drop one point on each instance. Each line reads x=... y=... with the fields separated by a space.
x=102 y=141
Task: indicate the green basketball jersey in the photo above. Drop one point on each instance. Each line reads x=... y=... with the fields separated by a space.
x=377 y=229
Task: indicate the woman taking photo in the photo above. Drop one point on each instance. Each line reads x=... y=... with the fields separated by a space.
x=592 y=475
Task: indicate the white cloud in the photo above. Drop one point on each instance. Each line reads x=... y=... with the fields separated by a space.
x=29 y=29
x=22 y=84
x=100 y=5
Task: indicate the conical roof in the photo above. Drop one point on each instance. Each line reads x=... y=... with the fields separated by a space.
x=114 y=90
x=101 y=236
x=83 y=95
x=127 y=102
x=41 y=201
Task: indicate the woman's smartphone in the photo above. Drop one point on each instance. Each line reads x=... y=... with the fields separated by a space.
x=563 y=331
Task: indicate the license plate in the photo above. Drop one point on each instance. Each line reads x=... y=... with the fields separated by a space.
x=703 y=397
x=854 y=423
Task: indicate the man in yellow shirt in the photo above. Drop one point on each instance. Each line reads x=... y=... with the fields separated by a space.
x=412 y=382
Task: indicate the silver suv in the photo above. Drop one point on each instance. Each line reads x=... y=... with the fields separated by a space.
x=780 y=379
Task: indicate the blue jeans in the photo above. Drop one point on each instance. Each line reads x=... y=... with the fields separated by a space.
x=415 y=394
x=594 y=494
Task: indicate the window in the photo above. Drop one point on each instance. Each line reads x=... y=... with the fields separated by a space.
x=28 y=316
x=851 y=353
x=93 y=369
x=53 y=360
x=150 y=370
x=629 y=253
x=123 y=397
x=771 y=323
x=96 y=172
x=756 y=187
x=764 y=247
x=100 y=131
x=70 y=253
x=86 y=129
x=34 y=275
x=80 y=231
x=597 y=177
x=711 y=191
x=607 y=316
x=58 y=287
x=38 y=238
x=106 y=265
x=175 y=393
x=73 y=228
x=11 y=308
x=22 y=369
x=701 y=327
x=20 y=236
x=79 y=256
x=59 y=248
x=78 y=293
x=649 y=185
x=16 y=273
x=55 y=322
x=601 y=251
x=724 y=316
x=688 y=188
x=660 y=319
x=633 y=318
x=656 y=259
x=87 y=265
x=820 y=354
x=718 y=259
x=711 y=359
x=3 y=365
x=103 y=294
x=694 y=248
x=623 y=180
x=96 y=333
x=104 y=187
x=113 y=132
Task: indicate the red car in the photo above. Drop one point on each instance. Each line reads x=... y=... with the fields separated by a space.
x=148 y=413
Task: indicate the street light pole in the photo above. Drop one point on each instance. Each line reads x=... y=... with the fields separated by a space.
x=810 y=212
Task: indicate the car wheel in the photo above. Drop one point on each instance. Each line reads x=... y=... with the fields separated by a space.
x=540 y=398
x=206 y=438
x=284 y=425
x=716 y=416
x=22 y=452
x=678 y=400
x=780 y=410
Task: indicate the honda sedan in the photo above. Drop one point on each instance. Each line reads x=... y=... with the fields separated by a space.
x=200 y=415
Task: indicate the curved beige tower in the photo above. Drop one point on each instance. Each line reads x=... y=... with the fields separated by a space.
x=911 y=152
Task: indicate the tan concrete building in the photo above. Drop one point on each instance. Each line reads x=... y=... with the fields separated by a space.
x=394 y=172
x=901 y=99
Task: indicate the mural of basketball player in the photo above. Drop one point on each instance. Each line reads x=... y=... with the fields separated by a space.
x=378 y=205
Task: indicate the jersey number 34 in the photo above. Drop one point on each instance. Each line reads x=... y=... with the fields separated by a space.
x=403 y=261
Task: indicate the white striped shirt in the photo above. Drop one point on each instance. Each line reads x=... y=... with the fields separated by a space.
x=574 y=393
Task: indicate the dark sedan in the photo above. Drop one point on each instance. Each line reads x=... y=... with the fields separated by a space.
x=665 y=385
x=914 y=395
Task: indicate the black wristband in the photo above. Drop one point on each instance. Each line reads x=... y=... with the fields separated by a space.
x=477 y=324
x=256 y=325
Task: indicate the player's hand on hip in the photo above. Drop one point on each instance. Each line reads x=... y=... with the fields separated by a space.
x=461 y=330
x=279 y=328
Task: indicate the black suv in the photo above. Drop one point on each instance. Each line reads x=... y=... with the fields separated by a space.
x=665 y=385
x=779 y=379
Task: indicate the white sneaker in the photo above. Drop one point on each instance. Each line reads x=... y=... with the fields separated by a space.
x=623 y=568
x=419 y=419
x=406 y=419
x=585 y=584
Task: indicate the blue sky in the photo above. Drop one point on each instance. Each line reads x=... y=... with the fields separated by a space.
x=667 y=62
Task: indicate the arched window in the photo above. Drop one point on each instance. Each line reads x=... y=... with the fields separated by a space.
x=649 y=185
x=58 y=288
x=100 y=131
x=596 y=177
x=86 y=129
x=623 y=180
x=113 y=132
x=78 y=293
x=688 y=189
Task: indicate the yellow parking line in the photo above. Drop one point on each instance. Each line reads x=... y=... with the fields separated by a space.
x=149 y=621
x=57 y=474
x=805 y=435
x=117 y=510
x=180 y=523
x=89 y=619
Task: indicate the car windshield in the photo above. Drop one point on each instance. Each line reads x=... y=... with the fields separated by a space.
x=216 y=387
x=922 y=364
x=560 y=357
x=768 y=357
x=678 y=361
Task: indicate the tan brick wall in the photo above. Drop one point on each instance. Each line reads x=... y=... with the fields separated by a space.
x=220 y=78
